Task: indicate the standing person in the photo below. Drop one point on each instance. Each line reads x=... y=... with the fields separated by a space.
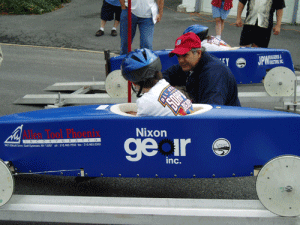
x=142 y=12
x=220 y=11
x=142 y=67
x=205 y=77
x=210 y=43
x=111 y=9
x=259 y=21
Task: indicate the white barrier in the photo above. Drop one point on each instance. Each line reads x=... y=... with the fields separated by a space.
x=104 y=210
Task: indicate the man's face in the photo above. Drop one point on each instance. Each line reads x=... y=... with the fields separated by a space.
x=189 y=60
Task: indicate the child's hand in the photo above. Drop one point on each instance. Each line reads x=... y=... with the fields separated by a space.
x=132 y=113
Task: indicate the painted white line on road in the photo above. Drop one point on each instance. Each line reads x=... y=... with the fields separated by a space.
x=59 y=48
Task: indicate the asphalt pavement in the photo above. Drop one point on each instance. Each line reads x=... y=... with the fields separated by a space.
x=74 y=27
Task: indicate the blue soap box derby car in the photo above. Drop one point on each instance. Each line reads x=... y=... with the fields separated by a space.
x=104 y=140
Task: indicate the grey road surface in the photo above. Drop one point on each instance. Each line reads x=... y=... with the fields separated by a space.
x=75 y=25
x=29 y=70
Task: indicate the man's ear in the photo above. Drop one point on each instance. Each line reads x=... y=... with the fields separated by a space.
x=200 y=53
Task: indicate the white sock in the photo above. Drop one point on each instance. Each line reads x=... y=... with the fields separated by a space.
x=114 y=28
x=101 y=28
x=218 y=36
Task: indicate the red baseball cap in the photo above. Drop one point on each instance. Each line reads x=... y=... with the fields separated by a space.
x=185 y=43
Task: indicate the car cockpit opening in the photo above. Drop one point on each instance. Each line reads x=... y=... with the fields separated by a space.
x=126 y=109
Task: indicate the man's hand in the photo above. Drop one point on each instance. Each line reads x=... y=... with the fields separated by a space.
x=158 y=18
x=122 y=2
x=160 y=4
x=240 y=9
x=239 y=22
x=276 y=30
x=132 y=113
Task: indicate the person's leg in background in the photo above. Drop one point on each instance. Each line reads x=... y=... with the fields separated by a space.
x=117 y=11
x=219 y=27
x=223 y=16
x=146 y=27
x=124 y=30
x=106 y=15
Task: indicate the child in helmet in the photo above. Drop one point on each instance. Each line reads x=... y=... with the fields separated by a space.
x=143 y=68
x=210 y=43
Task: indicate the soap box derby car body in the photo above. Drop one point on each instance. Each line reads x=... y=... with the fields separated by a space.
x=248 y=65
x=214 y=141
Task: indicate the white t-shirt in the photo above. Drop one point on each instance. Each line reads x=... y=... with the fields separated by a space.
x=141 y=8
x=163 y=100
x=215 y=44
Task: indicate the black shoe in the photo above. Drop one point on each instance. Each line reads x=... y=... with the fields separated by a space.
x=114 y=33
x=99 y=33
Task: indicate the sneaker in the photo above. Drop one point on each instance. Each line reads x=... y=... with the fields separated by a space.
x=99 y=33
x=114 y=33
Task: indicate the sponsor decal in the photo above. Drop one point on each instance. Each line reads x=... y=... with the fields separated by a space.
x=102 y=107
x=240 y=63
x=151 y=142
x=225 y=61
x=221 y=147
x=15 y=137
x=178 y=42
x=270 y=60
x=216 y=41
x=174 y=99
x=53 y=138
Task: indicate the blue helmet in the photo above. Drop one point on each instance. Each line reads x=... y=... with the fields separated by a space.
x=140 y=65
x=200 y=30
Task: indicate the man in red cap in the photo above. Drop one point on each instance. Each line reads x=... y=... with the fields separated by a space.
x=205 y=78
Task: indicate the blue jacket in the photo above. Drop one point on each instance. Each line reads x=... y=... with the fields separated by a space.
x=211 y=82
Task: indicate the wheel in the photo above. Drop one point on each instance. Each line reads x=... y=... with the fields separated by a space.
x=6 y=183
x=278 y=185
x=115 y=85
x=280 y=81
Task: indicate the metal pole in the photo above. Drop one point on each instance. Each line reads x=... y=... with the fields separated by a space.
x=294 y=19
x=295 y=95
x=129 y=44
x=198 y=6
